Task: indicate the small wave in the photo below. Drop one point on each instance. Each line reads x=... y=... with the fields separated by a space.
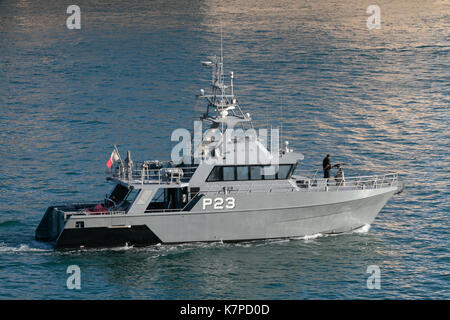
x=310 y=236
x=123 y=248
x=313 y=236
x=164 y=248
x=21 y=248
x=364 y=229
x=101 y=249
x=247 y=244
x=10 y=223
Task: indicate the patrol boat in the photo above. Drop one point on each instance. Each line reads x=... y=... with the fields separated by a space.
x=228 y=199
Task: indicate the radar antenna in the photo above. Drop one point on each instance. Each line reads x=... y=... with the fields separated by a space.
x=227 y=111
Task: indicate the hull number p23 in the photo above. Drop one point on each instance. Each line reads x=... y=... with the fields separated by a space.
x=219 y=203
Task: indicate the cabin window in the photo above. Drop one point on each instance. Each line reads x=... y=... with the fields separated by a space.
x=270 y=172
x=119 y=193
x=131 y=196
x=215 y=175
x=255 y=172
x=242 y=173
x=283 y=171
x=228 y=174
x=167 y=199
x=159 y=197
x=193 y=191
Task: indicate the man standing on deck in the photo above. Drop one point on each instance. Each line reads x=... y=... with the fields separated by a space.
x=326 y=166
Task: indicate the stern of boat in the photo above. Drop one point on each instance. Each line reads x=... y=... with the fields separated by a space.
x=54 y=220
x=51 y=225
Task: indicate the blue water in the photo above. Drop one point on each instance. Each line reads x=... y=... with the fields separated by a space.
x=378 y=99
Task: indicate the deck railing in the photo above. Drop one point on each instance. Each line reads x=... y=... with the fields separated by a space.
x=347 y=183
x=68 y=214
x=146 y=172
x=311 y=184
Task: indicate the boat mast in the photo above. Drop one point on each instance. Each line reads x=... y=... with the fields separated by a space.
x=227 y=110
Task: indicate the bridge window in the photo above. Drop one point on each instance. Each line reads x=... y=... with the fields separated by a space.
x=215 y=175
x=255 y=172
x=228 y=174
x=270 y=172
x=242 y=173
x=119 y=193
x=283 y=171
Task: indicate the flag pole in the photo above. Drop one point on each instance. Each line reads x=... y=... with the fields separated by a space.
x=120 y=158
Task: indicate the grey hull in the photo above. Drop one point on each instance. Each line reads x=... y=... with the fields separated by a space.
x=326 y=212
x=267 y=223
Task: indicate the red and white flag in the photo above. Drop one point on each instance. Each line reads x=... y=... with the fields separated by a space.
x=113 y=158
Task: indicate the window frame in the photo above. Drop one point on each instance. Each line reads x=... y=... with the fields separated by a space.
x=220 y=173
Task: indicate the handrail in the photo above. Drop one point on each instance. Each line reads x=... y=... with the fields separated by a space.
x=317 y=184
x=85 y=213
x=143 y=173
x=359 y=182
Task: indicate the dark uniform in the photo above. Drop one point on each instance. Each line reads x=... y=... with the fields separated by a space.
x=326 y=167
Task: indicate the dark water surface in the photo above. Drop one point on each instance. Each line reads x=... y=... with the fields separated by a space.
x=378 y=99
